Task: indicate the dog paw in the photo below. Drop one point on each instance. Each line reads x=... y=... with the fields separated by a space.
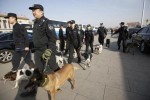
x=15 y=87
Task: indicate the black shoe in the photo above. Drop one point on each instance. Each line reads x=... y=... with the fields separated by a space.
x=28 y=94
x=79 y=60
x=92 y=50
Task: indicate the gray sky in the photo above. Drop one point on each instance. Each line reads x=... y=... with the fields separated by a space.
x=110 y=12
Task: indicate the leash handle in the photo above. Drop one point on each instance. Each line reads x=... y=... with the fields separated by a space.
x=23 y=61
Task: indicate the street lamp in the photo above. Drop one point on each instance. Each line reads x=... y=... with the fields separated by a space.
x=143 y=12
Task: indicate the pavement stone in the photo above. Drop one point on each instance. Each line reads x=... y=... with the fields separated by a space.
x=113 y=75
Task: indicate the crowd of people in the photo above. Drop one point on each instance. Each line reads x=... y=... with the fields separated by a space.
x=44 y=40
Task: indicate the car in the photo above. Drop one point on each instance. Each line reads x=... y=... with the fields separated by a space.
x=132 y=31
x=142 y=38
x=7 y=46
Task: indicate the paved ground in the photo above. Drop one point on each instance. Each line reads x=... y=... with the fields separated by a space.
x=113 y=75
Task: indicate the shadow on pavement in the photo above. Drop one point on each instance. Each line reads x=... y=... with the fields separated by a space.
x=20 y=90
x=130 y=80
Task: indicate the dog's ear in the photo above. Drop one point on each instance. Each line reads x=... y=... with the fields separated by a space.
x=21 y=73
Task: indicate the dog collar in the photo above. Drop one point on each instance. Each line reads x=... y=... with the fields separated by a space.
x=46 y=80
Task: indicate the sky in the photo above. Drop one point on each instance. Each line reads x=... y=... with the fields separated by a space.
x=94 y=12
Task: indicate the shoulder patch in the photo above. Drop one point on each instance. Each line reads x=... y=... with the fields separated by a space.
x=51 y=27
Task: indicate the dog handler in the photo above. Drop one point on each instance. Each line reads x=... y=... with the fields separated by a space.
x=21 y=42
x=44 y=40
x=89 y=38
x=123 y=35
x=75 y=42
x=102 y=33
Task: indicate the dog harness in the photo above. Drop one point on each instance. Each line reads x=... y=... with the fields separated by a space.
x=45 y=82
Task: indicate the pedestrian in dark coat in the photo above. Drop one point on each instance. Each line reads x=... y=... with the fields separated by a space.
x=102 y=33
x=123 y=35
x=21 y=41
x=89 y=39
x=68 y=31
x=75 y=43
x=44 y=40
x=61 y=38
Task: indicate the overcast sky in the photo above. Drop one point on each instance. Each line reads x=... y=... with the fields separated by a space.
x=110 y=12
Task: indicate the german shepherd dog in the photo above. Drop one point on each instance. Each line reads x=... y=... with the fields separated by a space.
x=52 y=82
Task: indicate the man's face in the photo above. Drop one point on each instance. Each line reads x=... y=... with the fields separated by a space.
x=73 y=26
x=121 y=25
x=61 y=27
x=37 y=13
x=69 y=24
x=11 y=20
x=89 y=28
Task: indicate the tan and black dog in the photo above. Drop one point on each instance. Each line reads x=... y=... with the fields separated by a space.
x=53 y=82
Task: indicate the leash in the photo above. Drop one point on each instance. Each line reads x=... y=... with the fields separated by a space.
x=23 y=61
x=46 y=57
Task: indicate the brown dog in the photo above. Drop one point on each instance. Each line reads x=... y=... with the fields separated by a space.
x=53 y=82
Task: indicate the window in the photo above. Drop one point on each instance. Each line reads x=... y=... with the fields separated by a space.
x=143 y=31
x=4 y=21
x=148 y=32
x=57 y=24
x=10 y=37
x=9 y=25
x=4 y=38
x=0 y=24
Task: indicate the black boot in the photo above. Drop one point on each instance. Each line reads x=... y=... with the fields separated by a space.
x=118 y=47
x=79 y=60
x=92 y=50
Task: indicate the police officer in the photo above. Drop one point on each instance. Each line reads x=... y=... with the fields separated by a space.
x=21 y=42
x=68 y=30
x=89 y=38
x=61 y=38
x=123 y=35
x=44 y=39
x=102 y=33
x=75 y=42
x=81 y=34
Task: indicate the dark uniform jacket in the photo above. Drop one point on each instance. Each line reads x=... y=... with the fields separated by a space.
x=123 y=33
x=68 y=30
x=89 y=37
x=81 y=33
x=20 y=36
x=74 y=37
x=102 y=32
x=44 y=37
x=61 y=34
x=44 y=34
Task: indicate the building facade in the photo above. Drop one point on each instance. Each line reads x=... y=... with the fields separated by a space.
x=6 y=27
